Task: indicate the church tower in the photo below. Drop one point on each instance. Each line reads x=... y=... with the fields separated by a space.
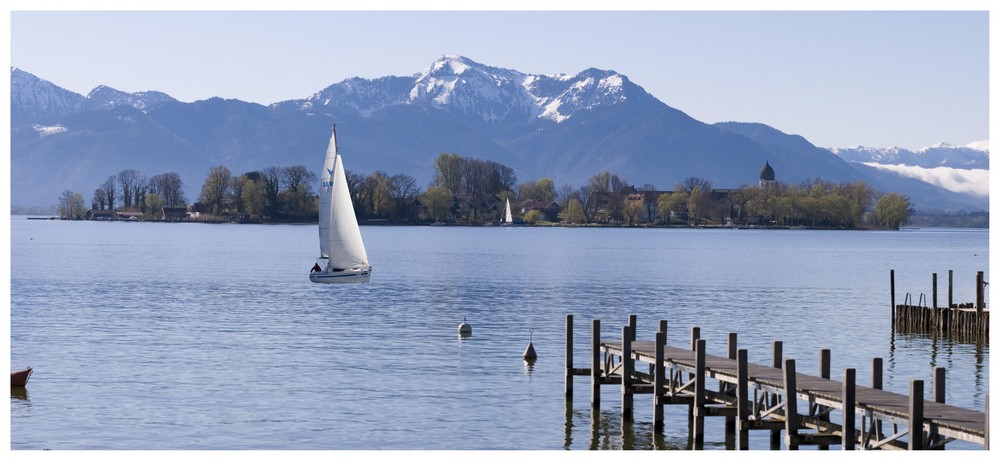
x=766 y=175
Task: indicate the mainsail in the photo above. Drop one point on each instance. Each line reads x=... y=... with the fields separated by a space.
x=339 y=235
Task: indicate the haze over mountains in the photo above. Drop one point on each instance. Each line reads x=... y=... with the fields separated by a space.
x=563 y=127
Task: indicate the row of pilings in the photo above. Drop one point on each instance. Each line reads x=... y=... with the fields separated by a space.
x=969 y=322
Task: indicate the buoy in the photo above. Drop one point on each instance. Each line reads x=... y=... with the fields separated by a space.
x=464 y=329
x=529 y=352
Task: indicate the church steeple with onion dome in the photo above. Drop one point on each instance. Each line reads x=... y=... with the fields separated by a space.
x=766 y=175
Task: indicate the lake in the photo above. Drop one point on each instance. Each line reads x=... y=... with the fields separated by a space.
x=200 y=336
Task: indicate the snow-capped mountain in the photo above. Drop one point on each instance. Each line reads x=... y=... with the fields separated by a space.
x=459 y=86
x=104 y=97
x=971 y=156
x=563 y=127
x=35 y=100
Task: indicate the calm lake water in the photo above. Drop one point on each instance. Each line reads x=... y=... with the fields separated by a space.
x=196 y=336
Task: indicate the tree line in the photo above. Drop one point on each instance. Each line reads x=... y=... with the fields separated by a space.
x=473 y=192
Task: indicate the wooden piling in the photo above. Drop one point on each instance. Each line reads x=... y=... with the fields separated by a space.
x=824 y=372
x=595 y=363
x=934 y=289
x=892 y=296
x=951 y=301
x=742 y=401
x=877 y=384
x=980 y=295
x=627 y=369
x=776 y=363
x=724 y=388
x=938 y=396
x=848 y=436
x=699 y=396
x=569 y=356
x=791 y=406
x=916 y=416
x=659 y=378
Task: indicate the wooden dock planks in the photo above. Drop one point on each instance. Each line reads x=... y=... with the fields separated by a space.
x=945 y=420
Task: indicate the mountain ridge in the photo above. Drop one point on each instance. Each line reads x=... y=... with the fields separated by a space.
x=565 y=127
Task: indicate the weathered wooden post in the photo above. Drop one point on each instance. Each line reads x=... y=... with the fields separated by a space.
x=742 y=401
x=663 y=327
x=632 y=322
x=569 y=356
x=627 y=366
x=916 y=422
x=937 y=394
x=980 y=295
x=951 y=300
x=849 y=399
x=724 y=387
x=791 y=406
x=595 y=363
x=934 y=289
x=776 y=363
x=659 y=379
x=892 y=297
x=877 y=384
x=695 y=336
x=824 y=372
x=699 y=395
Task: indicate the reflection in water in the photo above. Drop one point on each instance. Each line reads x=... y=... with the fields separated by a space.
x=610 y=431
x=19 y=392
x=939 y=351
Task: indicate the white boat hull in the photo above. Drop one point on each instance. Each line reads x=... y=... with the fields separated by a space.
x=345 y=276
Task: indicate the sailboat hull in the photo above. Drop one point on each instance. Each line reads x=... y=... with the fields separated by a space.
x=347 y=276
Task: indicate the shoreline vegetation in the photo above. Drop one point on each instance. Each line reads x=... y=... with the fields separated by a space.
x=472 y=192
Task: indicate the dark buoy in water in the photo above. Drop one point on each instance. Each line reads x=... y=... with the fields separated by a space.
x=464 y=329
x=529 y=352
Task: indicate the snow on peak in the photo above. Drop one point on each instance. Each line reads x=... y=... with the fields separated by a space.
x=979 y=145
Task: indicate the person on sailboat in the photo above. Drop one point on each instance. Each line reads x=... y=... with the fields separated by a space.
x=316 y=268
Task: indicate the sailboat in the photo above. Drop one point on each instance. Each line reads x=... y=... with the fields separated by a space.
x=508 y=219
x=342 y=256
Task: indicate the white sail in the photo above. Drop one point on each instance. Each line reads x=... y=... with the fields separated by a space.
x=508 y=218
x=340 y=241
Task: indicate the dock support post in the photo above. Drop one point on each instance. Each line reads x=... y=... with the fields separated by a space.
x=849 y=398
x=892 y=296
x=695 y=335
x=659 y=379
x=951 y=300
x=776 y=363
x=980 y=296
x=632 y=322
x=627 y=366
x=877 y=384
x=934 y=289
x=726 y=388
x=663 y=328
x=742 y=403
x=916 y=423
x=824 y=372
x=791 y=407
x=569 y=356
x=699 y=395
x=595 y=363
x=937 y=394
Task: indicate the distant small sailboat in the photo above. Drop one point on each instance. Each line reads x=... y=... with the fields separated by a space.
x=342 y=255
x=508 y=218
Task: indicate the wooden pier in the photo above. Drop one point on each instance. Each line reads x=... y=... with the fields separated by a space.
x=969 y=322
x=775 y=398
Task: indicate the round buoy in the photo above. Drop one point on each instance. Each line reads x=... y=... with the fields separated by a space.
x=464 y=329
x=529 y=352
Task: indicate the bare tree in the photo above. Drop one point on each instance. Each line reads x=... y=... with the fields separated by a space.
x=133 y=186
x=169 y=187
x=110 y=192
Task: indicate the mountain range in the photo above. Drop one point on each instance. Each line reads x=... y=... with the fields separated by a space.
x=563 y=127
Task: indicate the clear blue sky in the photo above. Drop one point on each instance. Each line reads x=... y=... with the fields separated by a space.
x=844 y=78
